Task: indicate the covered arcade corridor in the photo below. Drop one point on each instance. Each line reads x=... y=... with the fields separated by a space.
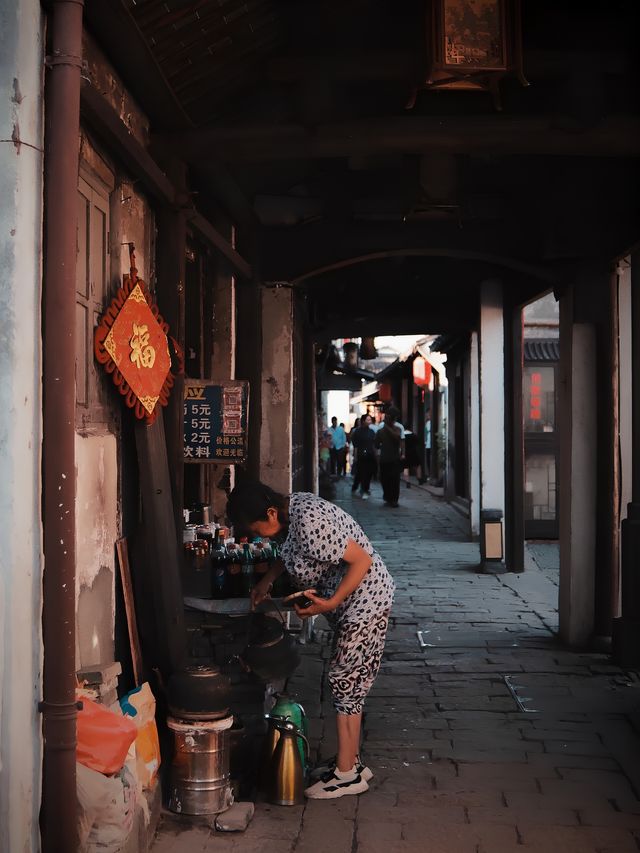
x=490 y=739
x=234 y=185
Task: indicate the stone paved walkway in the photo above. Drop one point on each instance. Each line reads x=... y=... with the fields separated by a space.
x=487 y=738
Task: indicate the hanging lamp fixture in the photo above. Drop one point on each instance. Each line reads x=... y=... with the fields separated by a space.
x=472 y=45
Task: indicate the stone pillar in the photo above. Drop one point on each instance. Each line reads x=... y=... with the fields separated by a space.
x=492 y=391
x=249 y=366
x=311 y=456
x=626 y=629
x=514 y=439
x=170 y=256
x=223 y=365
x=474 y=437
x=578 y=474
x=277 y=387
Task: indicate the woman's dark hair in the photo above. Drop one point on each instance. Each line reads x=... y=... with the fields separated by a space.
x=249 y=502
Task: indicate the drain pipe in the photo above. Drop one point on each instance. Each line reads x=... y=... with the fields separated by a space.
x=59 y=711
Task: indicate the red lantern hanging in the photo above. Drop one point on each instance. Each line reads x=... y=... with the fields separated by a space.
x=421 y=372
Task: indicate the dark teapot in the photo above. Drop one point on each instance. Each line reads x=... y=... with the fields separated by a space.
x=199 y=693
x=271 y=652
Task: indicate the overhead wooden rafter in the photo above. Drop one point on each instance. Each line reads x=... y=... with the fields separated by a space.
x=106 y=123
x=615 y=136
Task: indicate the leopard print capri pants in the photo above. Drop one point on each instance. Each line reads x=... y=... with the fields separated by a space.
x=355 y=661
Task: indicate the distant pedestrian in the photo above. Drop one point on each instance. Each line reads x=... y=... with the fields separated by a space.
x=427 y=448
x=342 y=457
x=339 y=449
x=389 y=441
x=363 y=440
x=325 y=445
x=351 y=456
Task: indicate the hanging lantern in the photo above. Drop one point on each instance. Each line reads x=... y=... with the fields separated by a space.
x=384 y=392
x=421 y=372
x=472 y=45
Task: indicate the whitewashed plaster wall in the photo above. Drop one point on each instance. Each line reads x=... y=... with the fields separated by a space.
x=277 y=388
x=21 y=161
x=96 y=534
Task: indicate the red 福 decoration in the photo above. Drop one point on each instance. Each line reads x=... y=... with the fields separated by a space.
x=131 y=341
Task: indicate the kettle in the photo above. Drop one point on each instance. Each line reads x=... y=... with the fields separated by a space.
x=199 y=693
x=269 y=747
x=285 y=777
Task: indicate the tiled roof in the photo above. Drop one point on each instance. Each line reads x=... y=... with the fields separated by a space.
x=541 y=350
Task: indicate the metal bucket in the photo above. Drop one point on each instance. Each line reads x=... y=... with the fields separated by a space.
x=200 y=768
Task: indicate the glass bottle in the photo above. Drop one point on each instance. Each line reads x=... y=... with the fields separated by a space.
x=219 y=567
x=260 y=565
x=247 y=570
x=234 y=569
x=280 y=583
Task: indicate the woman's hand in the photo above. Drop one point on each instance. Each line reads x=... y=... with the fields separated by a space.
x=260 y=592
x=320 y=605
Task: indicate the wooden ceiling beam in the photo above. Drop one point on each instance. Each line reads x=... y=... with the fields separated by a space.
x=117 y=33
x=426 y=322
x=96 y=111
x=406 y=65
x=496 y=135
x=305 y=251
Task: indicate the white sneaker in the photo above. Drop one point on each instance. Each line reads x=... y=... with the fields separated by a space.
x=365 y=496
x=330 y=765
x=332 y=786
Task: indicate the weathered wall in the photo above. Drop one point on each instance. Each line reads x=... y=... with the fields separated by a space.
x=21 y=142
x=96 y=533
x=277 y=388
x=99 y=479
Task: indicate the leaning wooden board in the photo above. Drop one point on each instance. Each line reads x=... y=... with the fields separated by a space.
x=129 y=606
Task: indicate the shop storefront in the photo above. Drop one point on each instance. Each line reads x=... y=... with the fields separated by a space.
x=540 y=385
